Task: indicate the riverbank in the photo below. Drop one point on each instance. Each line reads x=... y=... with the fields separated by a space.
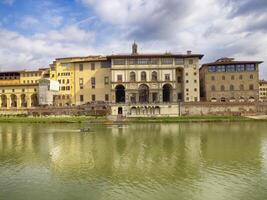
x=185 y=119
x=51 y=119
x=104 y=120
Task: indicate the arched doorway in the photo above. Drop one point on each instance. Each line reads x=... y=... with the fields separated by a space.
x=23 y=101
x=143 y=93
x=167 y=93
x=13 y=99
x=120 y=94
x=4 y=101
x=34 y=100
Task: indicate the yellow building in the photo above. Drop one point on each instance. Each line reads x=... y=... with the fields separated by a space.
x=19 y=89
x=62 y=70
x=92 y=80
x=263 y=90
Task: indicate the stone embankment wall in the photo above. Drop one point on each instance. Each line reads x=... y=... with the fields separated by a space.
x=207 y=108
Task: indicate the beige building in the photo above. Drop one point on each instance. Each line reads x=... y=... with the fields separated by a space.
x=263 y=90
x=92 y=80
x=143 y=84
x=227 y=80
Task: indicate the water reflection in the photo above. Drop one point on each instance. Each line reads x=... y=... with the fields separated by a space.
x=157 y=159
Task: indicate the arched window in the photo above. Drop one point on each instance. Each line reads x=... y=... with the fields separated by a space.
x=223 y=99
x=241 y=87
x=213 y=88
x=251 y=76
x=223 y=77
x=232 y=88
x=154 y=76
x=143 y=76
x=222 y=88
x=251 y=87
x=132 y=76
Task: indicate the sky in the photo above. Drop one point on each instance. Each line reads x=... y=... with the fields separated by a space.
x=35 y=32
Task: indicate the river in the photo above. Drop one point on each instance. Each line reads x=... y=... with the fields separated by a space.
x=188 y=161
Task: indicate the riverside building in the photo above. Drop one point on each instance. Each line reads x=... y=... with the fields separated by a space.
x=153 y=84
x=19 y=89
x=263 y=90
x=227 y=80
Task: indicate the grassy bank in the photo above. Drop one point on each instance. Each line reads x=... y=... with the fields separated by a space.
x=50 y=119
x=82 y=119
x=189 y=119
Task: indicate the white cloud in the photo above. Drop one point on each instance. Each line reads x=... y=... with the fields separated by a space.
x=21 y=52
x=29 y=22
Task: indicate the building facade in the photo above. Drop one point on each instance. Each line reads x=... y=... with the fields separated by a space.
x=227 y=80
x=92 y=80
x=151 y=81
x=19 y=89
x=263 y=90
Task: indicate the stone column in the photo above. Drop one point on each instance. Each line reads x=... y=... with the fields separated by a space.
x=8 y=101
x=18 y=101
x=29 y=101
x=0 y=102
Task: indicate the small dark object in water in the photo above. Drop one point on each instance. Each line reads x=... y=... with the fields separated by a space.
x=85 y=130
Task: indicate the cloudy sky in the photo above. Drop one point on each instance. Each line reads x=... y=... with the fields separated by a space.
x=34 y=32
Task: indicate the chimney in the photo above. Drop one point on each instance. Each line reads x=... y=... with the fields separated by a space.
x=189 y=52
x=134 y=48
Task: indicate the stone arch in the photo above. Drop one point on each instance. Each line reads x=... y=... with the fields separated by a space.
x=13 y=101
x=143 y=91
x=213 y=99
x=223 y=99
x=157 y=110
x=23 y=101
x=34 y=100
x=120 y=94
x=167 y=93
x=3 y=101
x=232 y=99
x=133 y=111
x=251 y=99
x=241 y=99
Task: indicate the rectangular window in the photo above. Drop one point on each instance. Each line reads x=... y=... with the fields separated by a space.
x=191 y=61
x=250 y=67
x=154 y=97
x=220 y=68
x=105 y=64
x=63 y=88
x=179 y=79
x=81 y=98
x=240 y=68
x=230 y=68
x=106 y=97
x=119 y=78
x=212 y=69
x=154 y=61
x=81 y=83
x=81 y=67
x=92 y=66
x=167 y=77
x=119 y=62
x=106 y=80
x=180 y=96
x=166 y=61
x=143 y=61
x=179 y=61
x=93 y=82
x=93 y=97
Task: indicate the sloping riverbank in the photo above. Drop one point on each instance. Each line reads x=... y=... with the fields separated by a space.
x=104 y=120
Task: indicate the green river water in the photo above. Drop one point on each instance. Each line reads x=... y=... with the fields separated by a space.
x=190 y=161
